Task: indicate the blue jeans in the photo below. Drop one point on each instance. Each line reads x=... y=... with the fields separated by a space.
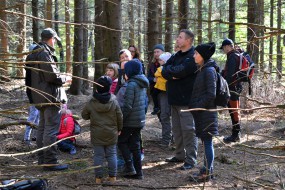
x=66 y=145
x=110 y=153
x=34 y=117
x=209 y=155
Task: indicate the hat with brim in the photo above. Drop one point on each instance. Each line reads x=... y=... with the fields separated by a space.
x=226 y=42
x=49 y=33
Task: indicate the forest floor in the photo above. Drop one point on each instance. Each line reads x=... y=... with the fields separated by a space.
x=257 y=162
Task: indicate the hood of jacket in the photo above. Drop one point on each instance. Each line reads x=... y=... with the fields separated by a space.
x=100 y=107
x=141 y=80
x=210 y=63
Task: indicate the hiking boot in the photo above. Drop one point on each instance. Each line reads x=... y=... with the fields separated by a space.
x=186 y=166
x=200 y=177
x=155 y=111
x=231 y=139
x=173 y=159
x=136 y=176
x=111 y=179
x=129 y=169
x=98 y=180
x=57 y=167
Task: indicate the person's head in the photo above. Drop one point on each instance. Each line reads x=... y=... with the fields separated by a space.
x=203 y=52
x=132 y=68
x=125 y=55
x=49 y=36
x=164 y=57
x=65 y=110
x=106 y=82
x=112 y=70
x=185 y=40
x=158 y=49
x=134 y=51
x=227 y=45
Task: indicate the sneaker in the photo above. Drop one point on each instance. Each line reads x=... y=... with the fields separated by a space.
x=57 y=167
x=72 y=151
x=200 y=177
x=173 y=159
x=34 y=139
x=186 y=166
x=231 y=139
x=140 y=177
x=129 y=169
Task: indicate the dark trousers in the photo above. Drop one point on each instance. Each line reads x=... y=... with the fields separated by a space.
x=46 y=135
x=129 y=144
x=154 y=95
x=66 y=145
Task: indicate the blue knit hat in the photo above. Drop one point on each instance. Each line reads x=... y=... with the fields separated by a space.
x=159 y=46
x=106 y=82
x=133 y=67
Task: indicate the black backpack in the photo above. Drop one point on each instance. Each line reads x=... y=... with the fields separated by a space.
x=32 y=184
x=222 y=91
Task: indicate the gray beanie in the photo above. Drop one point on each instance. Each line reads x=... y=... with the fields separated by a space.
x=159 y=46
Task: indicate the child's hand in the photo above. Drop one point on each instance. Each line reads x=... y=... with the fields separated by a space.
x=119 y=133
x=154 y=80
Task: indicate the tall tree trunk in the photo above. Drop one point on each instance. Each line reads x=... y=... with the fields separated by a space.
x=61 y=53
x=4 y=38
x=140 y=18
x=169 y=25
x=183 y=8
x=160 y=29
x=271 y=38
x=153 y=29
x=107 y=14
x=48 y=14
x=131 y=23
x=261 y=15
x=67 y=37
x=85 y=85
x=22 y=35
x=252 y=46
x=35 y=13
x=279 y=50
x=76 y=85
x=232 y=19
x=199 y=27
x=210 y=31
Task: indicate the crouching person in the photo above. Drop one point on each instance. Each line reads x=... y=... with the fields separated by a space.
x=106 y=123
x=134 y=119
x=66 y=130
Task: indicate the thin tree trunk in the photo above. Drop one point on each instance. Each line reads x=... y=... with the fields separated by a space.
x=67 y=37
x=131 y=23
x=76 y=84
x=183 y=8
x=169 y=25
x=35 y=13
x=232 y=19
x=210 y=31
x=140 y=25
x=261 y=15
x=61 y=53
x=199 y=27
x=153 y=29
x=4 y=38
x=85 y=85
x=22 y=36
x=271 y=39
x=160 y=29
x=279 y=50
x=48 y=14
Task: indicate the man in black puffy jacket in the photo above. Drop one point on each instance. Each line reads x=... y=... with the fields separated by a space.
x=180 y=73
x=46 y=88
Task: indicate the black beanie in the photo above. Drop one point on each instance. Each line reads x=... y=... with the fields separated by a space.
x=133 y=67
x=206 y=50
x=159 y=46
x=106 y=82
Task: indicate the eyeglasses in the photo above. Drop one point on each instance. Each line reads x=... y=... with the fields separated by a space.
x=133 y=51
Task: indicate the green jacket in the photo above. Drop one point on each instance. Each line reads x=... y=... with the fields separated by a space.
x=105 y=121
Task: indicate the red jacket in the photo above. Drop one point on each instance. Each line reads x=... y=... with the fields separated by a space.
x=66 y=128
x=114 y=85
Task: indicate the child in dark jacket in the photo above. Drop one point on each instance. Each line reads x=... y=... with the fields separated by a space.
x=134 y=119
x=66 y=130
x=106 y=123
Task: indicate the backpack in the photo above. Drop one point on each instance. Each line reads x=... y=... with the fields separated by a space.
x=222 y=91
x=32 y=184
x=246 y=68
x=77 y=126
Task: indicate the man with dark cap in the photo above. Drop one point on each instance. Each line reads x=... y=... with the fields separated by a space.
x=180 y=73
x=47 y=88
x=158 y=49
x=203 y=96
x=235 y=87
x=134 y=119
